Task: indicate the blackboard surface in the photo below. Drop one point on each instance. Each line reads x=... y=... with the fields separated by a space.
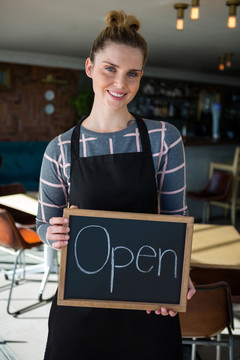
x=118 y=262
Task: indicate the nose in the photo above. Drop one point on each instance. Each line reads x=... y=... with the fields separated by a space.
x=120 y=81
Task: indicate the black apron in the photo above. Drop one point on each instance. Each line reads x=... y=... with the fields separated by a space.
x=116 y=182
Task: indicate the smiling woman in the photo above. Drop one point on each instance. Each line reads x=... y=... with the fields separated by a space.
x=112 y=160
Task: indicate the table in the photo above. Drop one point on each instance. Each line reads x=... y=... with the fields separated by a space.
x=21 y=202
x=212 y=244
x=216 y=245
x=29 y=204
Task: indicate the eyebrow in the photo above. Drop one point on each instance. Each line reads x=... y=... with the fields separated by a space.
x=117 y=66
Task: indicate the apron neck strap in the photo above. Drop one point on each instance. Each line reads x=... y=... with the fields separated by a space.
x=146 y=145
x=143 y=131
x=75 y=139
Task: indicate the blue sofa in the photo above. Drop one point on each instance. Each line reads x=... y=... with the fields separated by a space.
x=21 y=162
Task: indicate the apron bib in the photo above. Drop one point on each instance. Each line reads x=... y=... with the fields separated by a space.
x=117 y=182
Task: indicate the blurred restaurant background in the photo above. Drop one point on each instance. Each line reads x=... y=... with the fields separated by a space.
x=191 y=79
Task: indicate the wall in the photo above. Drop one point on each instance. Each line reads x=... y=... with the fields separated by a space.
x=78 y=63
x=22 y=115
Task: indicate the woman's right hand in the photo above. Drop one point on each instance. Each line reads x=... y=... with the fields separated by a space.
x=57 y=232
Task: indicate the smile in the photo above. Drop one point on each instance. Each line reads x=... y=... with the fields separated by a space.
x=116 y=95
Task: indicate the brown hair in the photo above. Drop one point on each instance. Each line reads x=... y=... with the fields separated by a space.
x=121 y=29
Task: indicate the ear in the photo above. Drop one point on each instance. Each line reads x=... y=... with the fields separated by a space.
x=141 y=74
x=88 y=67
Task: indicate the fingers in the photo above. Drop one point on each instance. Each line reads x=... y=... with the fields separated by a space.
x=57 y=233
x=58 y=221
x=191 y=289
x=164 y=312
x=172 y=313
x=57 y=245
x=190 y=294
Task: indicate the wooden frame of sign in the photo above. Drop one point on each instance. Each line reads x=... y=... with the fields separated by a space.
x=125 y=260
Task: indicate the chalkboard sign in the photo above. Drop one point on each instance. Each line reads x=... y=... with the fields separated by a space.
x=125 y=260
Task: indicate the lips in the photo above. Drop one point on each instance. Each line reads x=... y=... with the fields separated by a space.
x=117 y=95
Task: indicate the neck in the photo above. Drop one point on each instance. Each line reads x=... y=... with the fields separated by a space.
x=107 y=121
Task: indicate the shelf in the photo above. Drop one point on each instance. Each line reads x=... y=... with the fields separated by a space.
x=186 y=103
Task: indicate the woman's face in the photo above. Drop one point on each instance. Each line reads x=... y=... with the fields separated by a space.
x=116 y=74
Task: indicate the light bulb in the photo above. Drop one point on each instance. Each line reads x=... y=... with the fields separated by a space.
x=232 y=22
x=180 y=14
x=179 y=25
x=195 y=13
x=228 y=64
x=221 y=67
x=228 y=59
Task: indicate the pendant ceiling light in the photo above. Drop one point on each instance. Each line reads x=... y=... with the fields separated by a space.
x=195 y=10
x=228 y=59
x=221 y=63
x=232 y=21
x=180 y=14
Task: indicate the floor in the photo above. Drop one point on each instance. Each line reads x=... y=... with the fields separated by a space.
x=208 y=353
x=24 y=337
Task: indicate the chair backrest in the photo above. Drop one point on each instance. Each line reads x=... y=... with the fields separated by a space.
x=208 y=312
x=236 y=161
x=219 y=184
x=10 y=236
x=11 y=189
x=205 y=274
x=0 y=161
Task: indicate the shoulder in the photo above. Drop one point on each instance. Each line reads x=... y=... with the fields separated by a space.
x=59 y=143
x=168 y=131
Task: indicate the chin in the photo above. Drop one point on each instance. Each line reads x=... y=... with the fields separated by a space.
x=117 y=105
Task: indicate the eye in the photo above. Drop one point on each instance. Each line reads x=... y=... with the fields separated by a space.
x=110 y=68
x=132 y=74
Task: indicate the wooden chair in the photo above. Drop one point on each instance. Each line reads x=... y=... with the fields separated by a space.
x=217 y=189
x=15 y=241
x=202 y=274
x=234 y=169
x=209 y=312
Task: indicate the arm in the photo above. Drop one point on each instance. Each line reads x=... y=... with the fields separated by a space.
x=53 y=195
x=172 y=185
x=172 y=173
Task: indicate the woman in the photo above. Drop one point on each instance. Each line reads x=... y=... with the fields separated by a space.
x=112 y=160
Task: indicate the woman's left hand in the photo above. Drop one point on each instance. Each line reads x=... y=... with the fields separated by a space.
x=164 y=311
x=191 y=289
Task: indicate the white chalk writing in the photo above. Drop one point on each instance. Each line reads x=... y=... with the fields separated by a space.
x=145 y=251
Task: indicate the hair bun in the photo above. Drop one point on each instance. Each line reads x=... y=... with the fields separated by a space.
x=121 y=19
